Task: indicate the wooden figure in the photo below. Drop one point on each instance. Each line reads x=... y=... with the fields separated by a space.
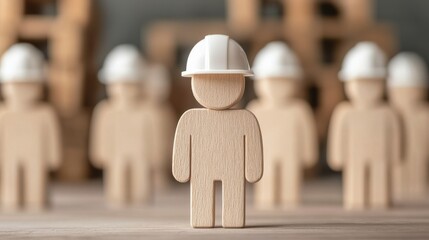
x=407 y=88
x=120 y=134
x=340 y=24
x=364 y=137
x=156 y=89
x=287 y=124
x=29 y=130
x=217 y=143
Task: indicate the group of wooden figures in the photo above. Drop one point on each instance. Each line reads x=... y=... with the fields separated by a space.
x=131 y=133
x=381 y=147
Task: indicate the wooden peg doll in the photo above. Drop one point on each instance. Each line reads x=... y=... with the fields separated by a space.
x=364 y=138
x=120 y=134
x=156 y=88
x=29 y=130
x=407 y=90
x=217 y=143
x=287 y=124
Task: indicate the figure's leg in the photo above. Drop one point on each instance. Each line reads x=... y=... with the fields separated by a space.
x=290 y=182
x=400 y=181
x=418 y=178
x=116 y=179
x=379 y=184
x=202 y=203
x=35 y=181
x=265 y=189
x=10 y=186
x=140 y=182
x=233 y=203
x=354 y=185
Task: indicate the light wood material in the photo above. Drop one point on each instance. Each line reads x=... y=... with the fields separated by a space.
x=78 y=212
x=30 y=146
x=410 y=179
x=217 y=145
x=364 y=142
x=68 y=35
x=163 y=122
x=320 y=52
x=290 y=141
x=121 y=144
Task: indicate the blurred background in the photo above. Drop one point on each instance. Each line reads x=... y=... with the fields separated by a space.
x=76 y=35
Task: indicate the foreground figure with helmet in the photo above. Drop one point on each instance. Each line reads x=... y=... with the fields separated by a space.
x=120 y=133
x=217 y=143
x=287 y=124
x=29 y=130
x=407 y=88
x=364 y=137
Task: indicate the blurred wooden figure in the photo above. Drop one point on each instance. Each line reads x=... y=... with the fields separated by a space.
x=287 y=125
x=156 y=88
x=407 y=89
x=120 y=132
x=364 y=137
x=29 y=130
x=217 y=143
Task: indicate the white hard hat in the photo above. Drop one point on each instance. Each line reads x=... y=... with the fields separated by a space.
x=22 y=62
x=365 y=60
x=123 y=64
x=276 y=59
x=217 y=54
x=158 y=81
x=407 y=69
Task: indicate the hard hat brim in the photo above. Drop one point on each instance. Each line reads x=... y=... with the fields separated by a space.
x=246 y=73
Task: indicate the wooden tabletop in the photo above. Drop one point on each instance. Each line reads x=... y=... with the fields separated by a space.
x=78 y=211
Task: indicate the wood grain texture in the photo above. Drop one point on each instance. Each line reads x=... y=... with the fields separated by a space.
x=410 y=179
x=121 y=145
x=217 y=145
x=30 y=143
x=364 y=141
x=290 y=141
x=78 y=211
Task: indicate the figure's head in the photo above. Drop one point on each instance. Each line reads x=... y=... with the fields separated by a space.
x=218 y=91
x=22 y=73
x=124 y=91
x=217 y=65
x=277 y=72
x=276 y=90
x=123 y=64
x=25 y=93
x=407 y=81
x=364 y=72
x=366 y=92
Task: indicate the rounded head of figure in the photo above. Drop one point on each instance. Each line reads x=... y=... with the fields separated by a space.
x=277 y=72
x=217 y=65
x=157 y=85
x=364 y=73
x=407 y=81
x=124 y=92
x=22 y=74
x=123 y=64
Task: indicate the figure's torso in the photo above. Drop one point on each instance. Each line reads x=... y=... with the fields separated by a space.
x=217 y=141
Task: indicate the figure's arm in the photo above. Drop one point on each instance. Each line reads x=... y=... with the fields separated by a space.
x=337 y=137
x=181 y=162
x=253 y=149
x=98 y=151
x=396 y=145
x=53 y=139
x=308 y=136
